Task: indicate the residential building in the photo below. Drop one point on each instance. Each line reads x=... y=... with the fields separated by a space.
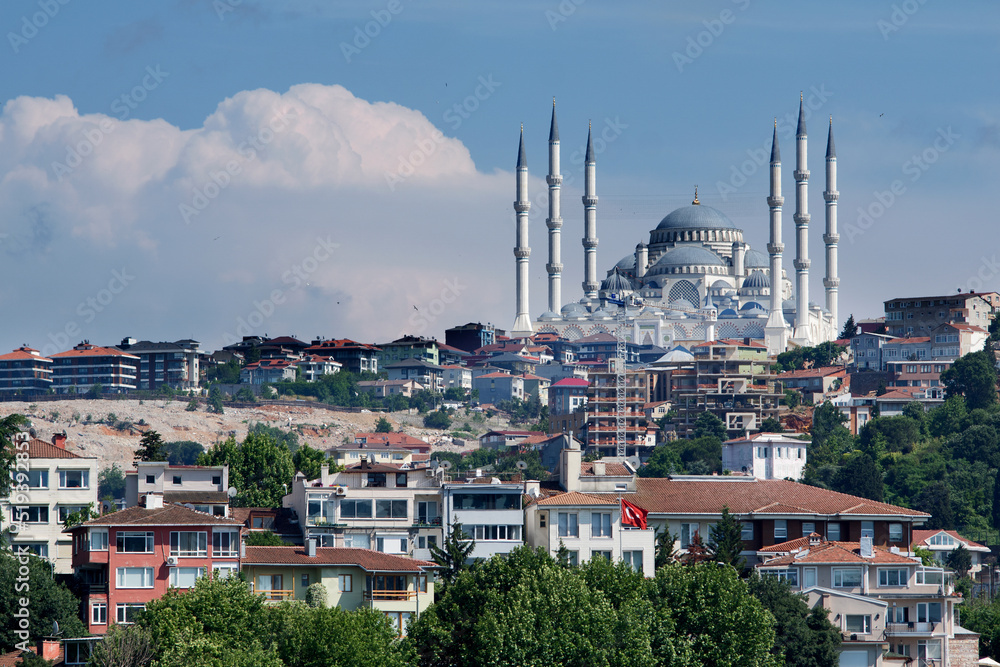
x=496 y=387
x=772 y=511
x=281 y=521
x=471 y=336
x=536 y=386
x=410 y=347
x=559 y=371
x=128 y=558
x=451 y=356
x=918 y=316
x=55 y=484
x=288 y=348
x=857 y=410
x=567 y=395
x=383 y=388
x=426 y=374
x=268 y=371
x=353 y=357
x=866 y=350
x=894 y=402
x=656 y=410
x=395 y=448
x=378 y=504
x=203 y=488
x=814 y=383
x=312 y=367
x=86 y=365
x=880 y=599
x=489 y=510
x=397 y=439
x=174 y=365
x=25 y=370
x=601 y=432
x=511 y=362
x=456 y=377
x=603 y=347
x=401 y=588
x=562 y=349
x=506 y=439
x=766 y=456
x=942 y=542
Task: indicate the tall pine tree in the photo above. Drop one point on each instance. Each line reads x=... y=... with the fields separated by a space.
x=725 y=541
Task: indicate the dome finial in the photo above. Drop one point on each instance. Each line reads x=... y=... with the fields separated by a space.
x=696 y=202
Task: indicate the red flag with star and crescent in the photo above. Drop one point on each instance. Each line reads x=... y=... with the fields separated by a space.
x=633 y=515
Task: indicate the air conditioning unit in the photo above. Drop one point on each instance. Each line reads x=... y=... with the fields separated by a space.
x=172 y=560
x=341 y=491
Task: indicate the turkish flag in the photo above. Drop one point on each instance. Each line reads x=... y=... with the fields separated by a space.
x=633 y=515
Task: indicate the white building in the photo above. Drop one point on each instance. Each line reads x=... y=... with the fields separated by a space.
x=766 y=456
x=201 y=488
x=57 y=483
x=490 y=512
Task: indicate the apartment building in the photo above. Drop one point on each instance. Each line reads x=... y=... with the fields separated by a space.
x=128 y=558
x=410 y=347
x=268 y=371
x=766 y=456
x=203 y=488
x=25 y=370
x=353 y=357
x=86 y=365
x=489 y=510
x=601 y=430
x=918 y=316
x=175 y=365
x=55 y=484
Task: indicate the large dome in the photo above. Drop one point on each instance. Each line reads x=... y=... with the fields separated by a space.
x=687 y=255
x=755 y=259
x=696 y=217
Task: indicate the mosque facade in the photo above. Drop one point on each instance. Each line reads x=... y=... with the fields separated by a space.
x=695 y=279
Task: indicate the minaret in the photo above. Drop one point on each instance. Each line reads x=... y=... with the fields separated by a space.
x=554 y=221
x=522 y=322
x=832 y=281
x=590 y=282
x=641 y=260
x=801 y=218
x=775 y=332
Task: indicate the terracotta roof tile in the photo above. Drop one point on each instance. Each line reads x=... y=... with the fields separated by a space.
x=168 y=515
x=838 y=552
x=921 y=536
x=577 y=498
x=610 y=469
x=366 y=559
x=39 y=449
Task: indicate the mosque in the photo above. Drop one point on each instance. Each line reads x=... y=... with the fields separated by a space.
x=695 y=280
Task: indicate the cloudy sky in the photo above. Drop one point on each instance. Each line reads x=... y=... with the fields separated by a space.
x=215 y=168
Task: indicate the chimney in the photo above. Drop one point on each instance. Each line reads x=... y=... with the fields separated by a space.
x=814 y=539
x=154 y=501
x=48 y=649
x=311 y=547
x=600 y=468
x=59 y=440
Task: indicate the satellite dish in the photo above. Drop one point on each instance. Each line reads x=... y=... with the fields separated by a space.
x=32 y=433
x=434 y=464
x=55 y=629
x=190 y=506
x=446 y=465
x=522 y=465
x=232 y=492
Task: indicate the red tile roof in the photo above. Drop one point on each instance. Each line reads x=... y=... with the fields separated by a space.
x=88 y=350
x=399 y=439
x=577 y=498
x=571 y=382
x=838 y=552
x=366 y=559
x=168 y=515
x=755 y=496
x=23 y=353
x=610 y=469
x=823 y=371
x=497 y=375
x=39 y=449
x=909 y=341
x=921 y=537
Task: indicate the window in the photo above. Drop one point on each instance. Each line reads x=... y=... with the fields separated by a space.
x=225 y=543
x=134 y=542
x=893 y=576
x=188 y=543
x=224 y=570
x=601 y=554
x=493 y=532
x=808 y=528
x=391 y=544
x=746 y=531
x=305 y=581
x=355 y=509
x=858 y=623
x=184 y=577
x=780 y=529
x=65 y=510
x=848 y=577
x=134 y=577
x=390 y=509
x=600 y=524
x=357 y=540
x=126 y=613
x=399 y=620
x=487 y=501
x=541 y=519
x=216 y=479
x=35 y=479
x=40 y=549
x=942 y=540
x=376 y=479
x=150 y=479
x=568 y=525
x=99 y=613
x=30 y=514
x=928 y=650
x=868 y=529
x=928 y=612
x=930 y=577
x=98 y=539
x=899 y=614
x=74 y=479
x=345 y=582
x=808 y=577
x=177 y=480
x=427 y=513
x=833 y=531
x=790 y=575
x=633 y=558
x=400 y=479
x=78 y=652
x=422 y=583
x=895 y=532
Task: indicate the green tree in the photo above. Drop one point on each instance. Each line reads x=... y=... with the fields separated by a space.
x=182 y=452
x=151 y=448
x=792 y=399
x=227 y=373
x=310 y=461
x=665 y=460
x=124 y=646
x=982 y=616
x=996 y=501
x=246 y=395
x=725 y=541
x=960 y=560
x=861 y=477
x=438 y=419
x=973 y=376
x=215 y=400
x=936 y=500
x=48 y=600
x=665 y=548
x=192 y=405
x=288 y=439
x=453 y=554
x=259 y=469
x=804 y=637
x=10 y=426
x=771 y=425
x=111 y=482
x=383 y=425
x=95 y=391
x=707 y=424
x=850 y=329
x=264 y=538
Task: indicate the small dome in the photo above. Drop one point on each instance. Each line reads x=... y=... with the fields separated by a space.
x=756 y=280
x=788 y=305
x=573 y=309
x=686 y=255
x=616 y=282
x=626 y=263
x=755 y=259
x=721 y=284
x=728 y=312
x=752 y=305
x=600 y=313
x=549 y=315
x=696 y=217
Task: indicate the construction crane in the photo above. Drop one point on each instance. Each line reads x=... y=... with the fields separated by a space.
x=621 y=350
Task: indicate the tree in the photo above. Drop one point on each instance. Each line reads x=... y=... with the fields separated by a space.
x=246 y=395
x=771 y=425
x=850 y=329
x=264 y=538
x=259 y=469
x=707 y=424
x=47 y=600
x=665 y=460
x=804 y=637
x=973 y=376
x=10 y=426
x=288 y=439
x=192 y=405
x=124 y=646
x=792 y=399
x=725 y=541
x=996 y=501
x=151 y=448
x=936 y=500
x=383 y=425
x=453 y=554
x=310 y=461
x=665 y=548
x=861 y=477
x=111 y=482
x=960 y=560
x=215 y=401
x=95 y=391
x=438 y=419
x=182 y=452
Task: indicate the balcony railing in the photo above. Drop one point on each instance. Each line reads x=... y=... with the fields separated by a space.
x=275 y=594
x=377 y=595
x=911 y=627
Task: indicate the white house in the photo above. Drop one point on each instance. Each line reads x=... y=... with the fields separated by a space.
x=766 y=456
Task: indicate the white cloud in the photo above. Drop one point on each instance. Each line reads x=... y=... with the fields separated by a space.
x=270 y=181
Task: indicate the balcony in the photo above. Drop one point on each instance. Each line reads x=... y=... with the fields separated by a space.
x=275 y=595
x=377 y=595
x=912 y=628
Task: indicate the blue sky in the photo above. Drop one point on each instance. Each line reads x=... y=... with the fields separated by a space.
x=689 y=90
